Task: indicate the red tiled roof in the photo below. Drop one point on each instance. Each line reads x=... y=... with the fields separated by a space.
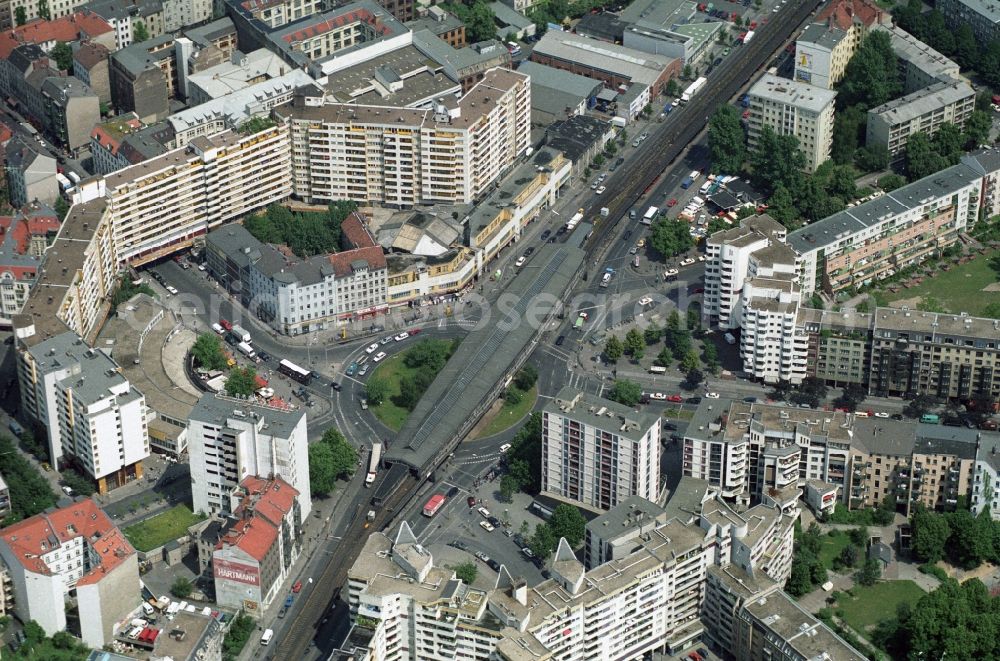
x=42 y=533
x=356 y=232
x=19 y=229
x=843 y=13
x=5 y=134
x=264 y=504
x=75 y=26
x=254 y=536
x=322 y=27
x=341 y=261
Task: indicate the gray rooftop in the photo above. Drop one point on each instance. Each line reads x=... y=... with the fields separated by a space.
x=919 y=326
x=918 y=54
x=636 y=66
x=138 y=57
x=984 y=8
x=602 y=414
x=661 y=13
x=821 y=35
x=558 y=79
x=930 y=99
x=98 y=376
x=421 y=79
x=510 y=187
x=829 y=230
x=634 y=510
x=576 y=135
x=793 y=93
x=685 y=501
x=803 y=633
x=508 y=16
x=64 y=88
x=437 y=21
x=122 y=9
x=458 y=61
x=219 y=409
x=203 y=35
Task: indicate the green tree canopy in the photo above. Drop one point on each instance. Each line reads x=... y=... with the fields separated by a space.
x=241 y=381
x=776 y=161
x=20 y=16
x=63 y=55
x=567 y=521
x=428 y=354
x=526 y=377
x=625 y=392
x=922 y=157
x=139 y=32
x=466 y=572
x=181 y=588
x=376 y=390
x=670 y=237
x=652 y=333
x=345 y=455
x=613 y=349
x=966 y=48
x=524 y=458
x=690 y=362
x=543 y=542
x=307 y=233
x=726 y=142
x=635 y=344
x=322 y=476
x=848 y=134
x=207 y=352
x=872 y=75
x=478 y=18
x=891 y=182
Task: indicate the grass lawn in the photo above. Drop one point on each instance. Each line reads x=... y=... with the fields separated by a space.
x=832 y=546
x=509 y=415
x=876 y=603
x=160 y=529
x=677 y=413
x=957 y=290
x=393 y=370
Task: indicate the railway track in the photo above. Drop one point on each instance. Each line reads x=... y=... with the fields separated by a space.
x=688 y=120
x=660 y=152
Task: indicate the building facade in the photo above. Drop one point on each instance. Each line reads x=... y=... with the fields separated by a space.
x=31 y=174
x=596 y=453
x=771 y=345
x=824 y=48
x=795 y=108
x=231 y=439
x=982 y=16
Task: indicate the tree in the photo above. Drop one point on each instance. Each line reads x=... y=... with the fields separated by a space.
x=567 y=521
x=63 y=55
x=322 y=476
x=991 y=311
x=376 y=390
x=930 y=535
x=966 y=48
x=207 y=352
x=672 y=88
x=524 y=458
x=849 y=556
x=652 y=333
x=670 y=237
x=693 y=318
x=937 y=32
x=922 y=159
x=139 y=32
x=479 y=19
x=241 y=381
x=709 y=354
x=412 y=387
x=635 y=344
x=872 y=74
x=690 y=362
x=919 y=405
x=613 y=349
x=43 y=10
x=977 y=129
x=543 y=542
x=664 y=358
x=33 y=633
x=782 y=208
x=343 y=454
x=20 y=16
x=853 y=394
x=687 y=72
x=949 y=141
x=989 y=64
x=693 y=378
x=625 y=392
x=181 y=588
x=872 y=158
x=891 y=182
x=466 y=572
x=430 y=355
x=726 y=142
x=870 y=572
x=679 y=343
x=777 y=161
x=61 y=208
x=508 y=485
x=526 y=377
x=848 y=134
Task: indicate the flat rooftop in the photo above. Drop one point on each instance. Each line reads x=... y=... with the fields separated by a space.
x=793 y=93
x=810 y=638
x=421 y=78
x=930 y=99
x=601 y=413
x=929 y=326
x=637 y=66
x=831 y=425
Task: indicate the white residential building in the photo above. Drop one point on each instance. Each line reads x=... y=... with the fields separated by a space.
x=986 y=483
x=402 y=157
x=179 y=14
x=75 y=548
x=93 y=415
x=772 y=347
x=231 y=439
x=795 y=108
x=596 y=453
x=754 y=248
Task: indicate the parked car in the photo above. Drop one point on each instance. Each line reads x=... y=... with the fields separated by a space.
x=379 y=357
x=485 y=525
x=485 y=513
x=471 y=501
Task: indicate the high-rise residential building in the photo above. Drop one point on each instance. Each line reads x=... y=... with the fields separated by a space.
x=839 y=345
x=772 y=346
x=982 y=16
x=755 y=248
x=450 y=154
x=790 y=107
x=93 y=416
x=254 y=550
x=231 y=439
x=73 y=554
x=596 y=453
x=825 y=47
x=945 y=355
x=649 y=595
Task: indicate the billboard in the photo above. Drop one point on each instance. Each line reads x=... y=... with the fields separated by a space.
x=235 y=571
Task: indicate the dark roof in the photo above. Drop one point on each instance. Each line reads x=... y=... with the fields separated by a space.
x=576 y=135
x=724 y=200
x=604 y=26
x=880 y=551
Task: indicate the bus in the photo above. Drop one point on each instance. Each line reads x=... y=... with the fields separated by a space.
x=435 y=503
x=657 y=369
x=288 y=368
x=930 y=419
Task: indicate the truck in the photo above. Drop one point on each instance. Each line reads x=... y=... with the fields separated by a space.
x=373 y=463
x=64 y=183
x=647 y=218
x=435 y=503
x=246 y=349
x=240 y=334
x=746 y=39
x=574 y=221
x=693 y=88
x=74 y=176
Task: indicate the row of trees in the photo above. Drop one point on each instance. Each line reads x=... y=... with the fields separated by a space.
x=29 y=492
x=811 y=391
x=808 y=570
x=927 y=154
x=330 y=459
x=960 y=537
x=524 y=460
x=306 y=234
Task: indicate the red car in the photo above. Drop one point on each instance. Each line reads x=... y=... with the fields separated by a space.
x=746 y=114
x=471 y=501
x=415 y=331
x=225 y=324
x=675 y=398
x=297 y=587
x=672 y=202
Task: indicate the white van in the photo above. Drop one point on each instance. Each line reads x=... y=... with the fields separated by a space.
x=147 y=609
x=266 y=637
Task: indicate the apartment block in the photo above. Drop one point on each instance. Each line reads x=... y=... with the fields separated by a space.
x=596 y=453
x=257 y=546
x=861 y=244
x=401 y=156
x=795 y=108
x=275 y=13
x=90 y=66
x=839 y=345
x=771 y=345
x=755 y=453
x=294 y=295
x=211 y=181
x=31 y=174
x=981 y=15
x=731 y=256
x=232 y=439
x=24 y=239
x=948 y=356
x=986 y=479
x=73 y=554
x=144 y=78
x=124 y=16
x=93 y=416
x=824 y=47
x=615 y=534
x=650 y=598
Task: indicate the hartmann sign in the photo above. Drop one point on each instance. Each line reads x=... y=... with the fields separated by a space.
x=234 y=571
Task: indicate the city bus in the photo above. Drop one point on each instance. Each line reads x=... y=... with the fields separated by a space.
x=288 y=368
x=435 y=503
x=930 y=419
